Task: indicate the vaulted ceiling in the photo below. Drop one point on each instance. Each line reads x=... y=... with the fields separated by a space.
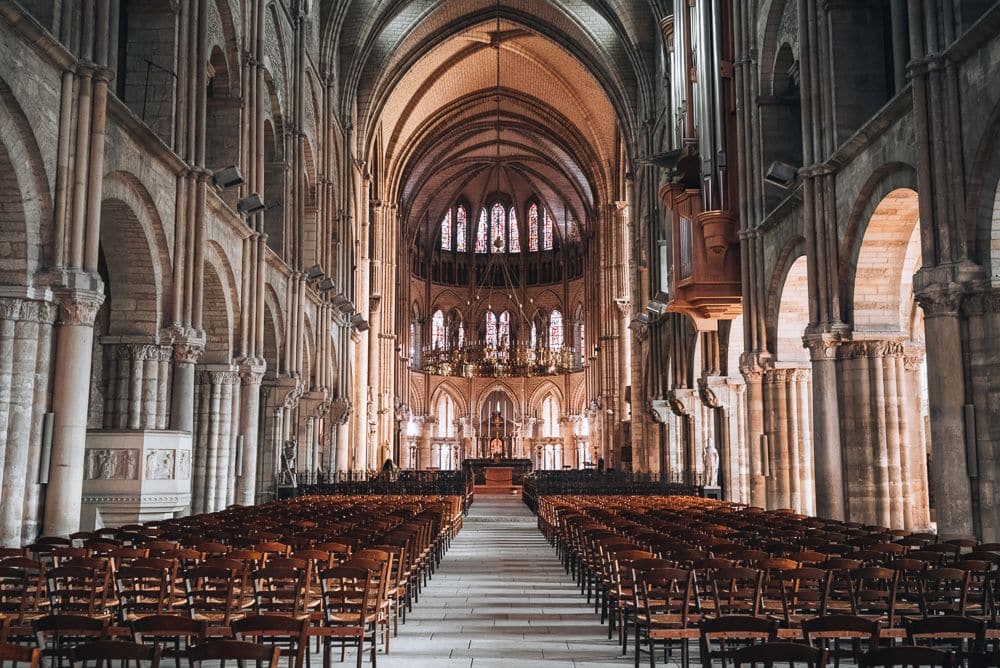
x=420 y=77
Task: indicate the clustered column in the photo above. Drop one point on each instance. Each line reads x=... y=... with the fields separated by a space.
x=215 y=445
x=788 y=418
x=25 y=344
x=136 y=385
x=883 y=448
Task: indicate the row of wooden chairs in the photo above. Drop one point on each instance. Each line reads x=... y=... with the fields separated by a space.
x=313 y=568
x=665 y=566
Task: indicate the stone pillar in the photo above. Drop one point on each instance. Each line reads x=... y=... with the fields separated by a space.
x=569 y=442
x=20 y=353
x=786 y=425
x=753 y=376
x=133 y=386
x=213 y=444
x=946 y=391
x=74 y=354
x=831 y=496
x=32 y=503
x=251 y=375
x=186 y=354
x=424 y=449
x=876 y=410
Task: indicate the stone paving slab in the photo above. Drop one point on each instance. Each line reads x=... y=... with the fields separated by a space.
x=501 y=598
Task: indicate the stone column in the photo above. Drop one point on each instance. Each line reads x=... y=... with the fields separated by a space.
x=876 y=412
x=187 y=351
x=74 y=354
x=213 y=440
x=22 y=352
x=424 y=449
x=945 y=384
x=32 y=503
x=753 y=375
x=569 y=442
x=831 y=497
x=251 y=375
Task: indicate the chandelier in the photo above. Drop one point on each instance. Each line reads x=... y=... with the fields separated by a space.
x=504 y=356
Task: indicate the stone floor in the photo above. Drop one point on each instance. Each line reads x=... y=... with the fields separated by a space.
x=501 y=598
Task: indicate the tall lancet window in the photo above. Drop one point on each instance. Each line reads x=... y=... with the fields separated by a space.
x=547 y=232
x=446 y=231
x=503 y=330
x=498 y=243
x=491 y=329
x=515 y=233
x=437 y=330
x=461 y=221
x=556 y=330
x=533 y=228
x=482 y=232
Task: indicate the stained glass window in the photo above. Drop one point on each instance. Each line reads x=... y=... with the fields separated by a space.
x=460 y=224
x=533 y=228
x=497 y=241
x=556 y=330
x=491 y=329
x=504 y=332
x=437 y=330
x=446 y=231
x=534 y=335
x=461 y=334
x=547 y=232
x=482 y=233
x=515 y=232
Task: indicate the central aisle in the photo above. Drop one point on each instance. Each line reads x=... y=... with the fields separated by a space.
x=501 y=598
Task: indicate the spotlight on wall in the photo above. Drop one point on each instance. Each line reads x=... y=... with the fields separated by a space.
x=359 y=323
x=343 y=303
x=250 y=204
x=781 y=174
x=325 y=285
x=314 y=272
x=667 y=161
x=658 y=304
x=228 y=177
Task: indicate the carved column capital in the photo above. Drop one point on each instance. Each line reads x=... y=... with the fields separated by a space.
x=822 y=345
x=78 y=307
x=984 y=301
x=252 y=370
x=872 y=349
x=188 y=352
x=939 y=299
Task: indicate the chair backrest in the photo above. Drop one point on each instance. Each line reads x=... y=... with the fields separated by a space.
x=57 y=634
x=115 y=652
x=254 y=627
x=15 y=655
x=155 y=628
x=907 y=655
x=717 y=635
x=664 y=591
x=736 y=590
x=266 y=656
x=769 y=653
x=211 y=592
x=77 y=589
x=349 y=595
x=935 y=629
x=144 y=590
x=280 y=589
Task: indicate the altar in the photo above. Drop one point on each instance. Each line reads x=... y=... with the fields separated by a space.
x=500 y=476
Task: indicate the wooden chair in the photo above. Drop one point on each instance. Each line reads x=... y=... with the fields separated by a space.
x=350 y=610
x=738 y=630
x=944 y=591
x=212 y=594
x=664 y=606
x=17 y=655
x=804 y=593
x=963 y=636
x=735 y=591
x=143 y=591
x=56 y=635
x=265 y=656
x=291 y=634
x=171 y=633
x=770 y=653
x=830 y=631
x=907 y=655
x=78 y=590
x=115 y=652
x=279 y=589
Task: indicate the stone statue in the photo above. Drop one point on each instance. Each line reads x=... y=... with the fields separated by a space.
x=711 y=466
x=289 y=451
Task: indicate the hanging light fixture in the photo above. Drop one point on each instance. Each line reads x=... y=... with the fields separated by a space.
x=508 y=358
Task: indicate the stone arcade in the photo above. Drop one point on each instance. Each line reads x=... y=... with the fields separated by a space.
x=746 y=243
